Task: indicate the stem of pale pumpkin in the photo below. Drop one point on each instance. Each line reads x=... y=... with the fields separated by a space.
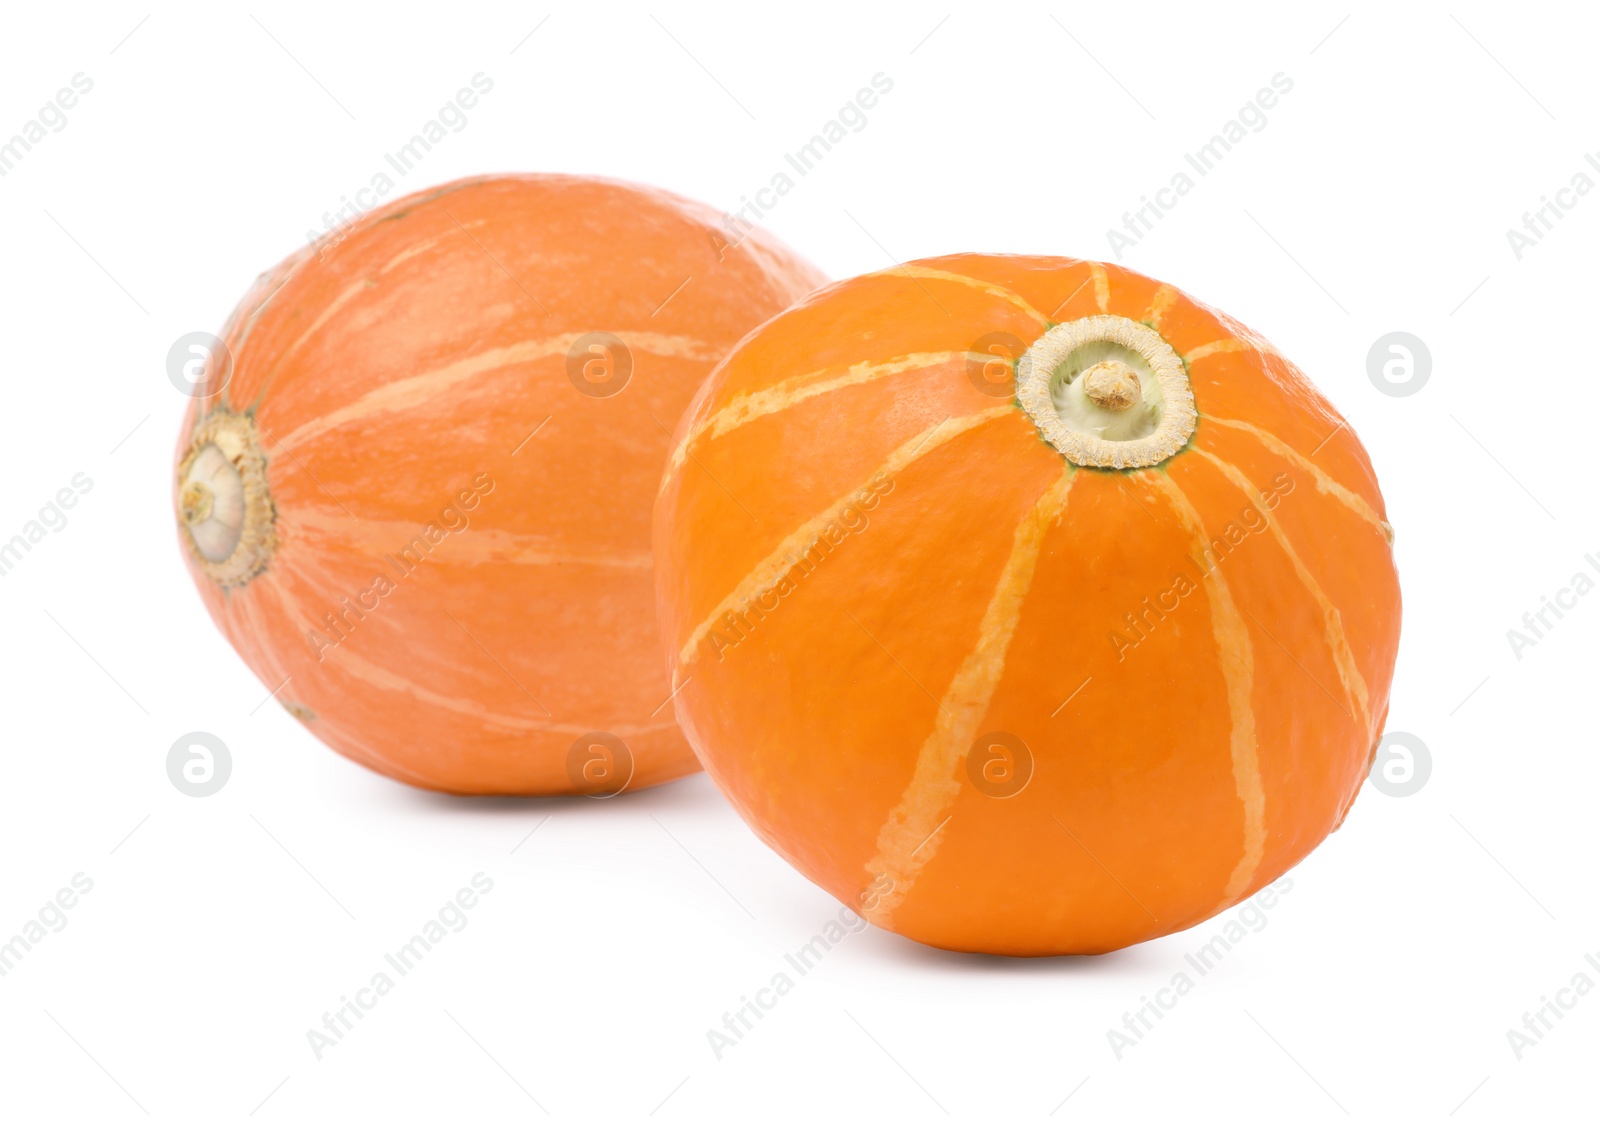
x=225 y=510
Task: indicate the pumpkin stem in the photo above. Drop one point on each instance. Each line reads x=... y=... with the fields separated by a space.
x=1111 y=384
x=196 y=502
x=1106 y=391
x=225 y=511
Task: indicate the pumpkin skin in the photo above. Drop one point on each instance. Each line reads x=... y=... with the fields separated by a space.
x=443 y=598
x=992 y=700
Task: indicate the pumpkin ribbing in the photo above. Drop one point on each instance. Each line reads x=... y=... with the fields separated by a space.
x=1196 y=650
x=419 y=507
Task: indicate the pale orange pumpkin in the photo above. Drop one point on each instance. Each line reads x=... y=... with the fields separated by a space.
x=419 y=507
x=1026 y=605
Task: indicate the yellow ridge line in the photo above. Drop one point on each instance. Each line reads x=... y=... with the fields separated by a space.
x=278 y=591
x=917 y=271
x=364 y=284
x=1344 y=660
x=322 y=319
x=488 y=544
x=375 y=675
x=412 y=392
x=1324 y=482
x=767 y=572
x=345 y=659
x=1102 y=286
x=791 y=391
x=912 y=833
x=1160 y=303
x=1223 y=345
x=1237 y=658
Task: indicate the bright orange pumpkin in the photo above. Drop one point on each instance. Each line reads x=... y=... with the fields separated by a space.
x=1025 y=604
x=419 y=505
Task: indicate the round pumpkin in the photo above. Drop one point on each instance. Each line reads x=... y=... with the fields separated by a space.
x=415 y=488
x=1025 y=604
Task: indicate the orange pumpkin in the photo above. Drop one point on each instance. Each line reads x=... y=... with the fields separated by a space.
x=1026 y=604
x=419 y=503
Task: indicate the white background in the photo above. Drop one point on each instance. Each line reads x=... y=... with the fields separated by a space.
x=219 y=930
